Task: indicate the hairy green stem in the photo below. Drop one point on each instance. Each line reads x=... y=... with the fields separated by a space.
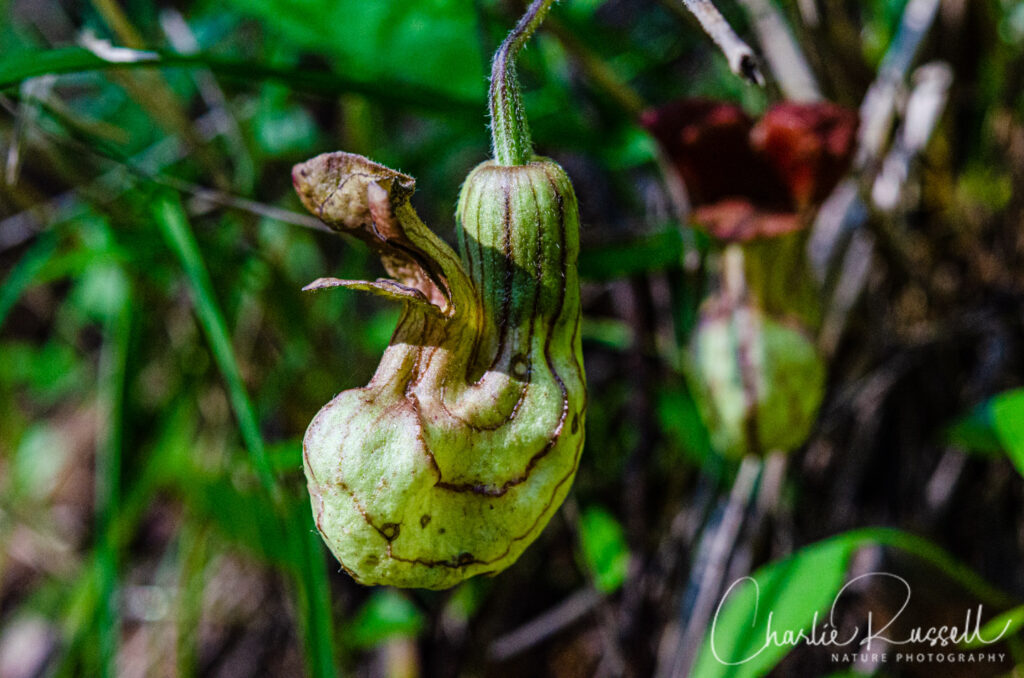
x=510 y=132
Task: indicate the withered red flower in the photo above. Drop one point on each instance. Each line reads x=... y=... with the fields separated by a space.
x=750 y=180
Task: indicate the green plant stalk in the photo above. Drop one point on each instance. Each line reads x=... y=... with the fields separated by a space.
x=117 y=330
x=510 y=130
x=193 y=549
x=18 y=68
x=174 y=225
x=25 y=272
x=451 y=461
x=757 y=379
x=314 y=592
x=941 y=559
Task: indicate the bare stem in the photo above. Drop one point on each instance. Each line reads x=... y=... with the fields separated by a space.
x=717 y=547
x=738 y=53
x=510 y=132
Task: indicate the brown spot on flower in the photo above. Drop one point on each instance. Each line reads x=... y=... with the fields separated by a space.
x=520 y=367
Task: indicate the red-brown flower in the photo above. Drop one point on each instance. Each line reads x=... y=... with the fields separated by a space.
x=750 y=180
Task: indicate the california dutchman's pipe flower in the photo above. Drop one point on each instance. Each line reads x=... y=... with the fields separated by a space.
x=757 y=378
x=451 y=461
x=752 y=363
x=748 y=179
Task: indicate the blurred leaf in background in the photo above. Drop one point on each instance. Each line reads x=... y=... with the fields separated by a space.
x=604 y=548
x=159 y=363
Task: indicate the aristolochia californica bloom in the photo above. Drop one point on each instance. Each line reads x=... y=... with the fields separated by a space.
x=451 y=461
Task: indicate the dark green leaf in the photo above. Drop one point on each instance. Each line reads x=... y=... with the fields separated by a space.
x=975 y=432
x=24 y=274
x=17 y=68
x=792 y=591
x=604 y=549
x=1003 y=626
x=682 y=423
x=387 y=614
x=654 y=252
x=1008 y=419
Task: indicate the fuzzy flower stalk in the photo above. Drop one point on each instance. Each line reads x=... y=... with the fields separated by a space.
x=455 y=456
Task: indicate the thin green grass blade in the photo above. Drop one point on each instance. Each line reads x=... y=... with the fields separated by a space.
x=315 y=597
x=24 y=274
x=314 y=591
x=113 y=365
x=194 y=553
x=17 y=68
x=175 y=227
x=937 y=556
x=80 y=595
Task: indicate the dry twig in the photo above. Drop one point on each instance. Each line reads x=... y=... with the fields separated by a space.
x=738 y=53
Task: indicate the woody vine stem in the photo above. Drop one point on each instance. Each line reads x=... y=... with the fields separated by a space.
x=510 y=132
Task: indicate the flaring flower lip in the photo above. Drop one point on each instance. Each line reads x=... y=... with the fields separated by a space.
x=752 y=180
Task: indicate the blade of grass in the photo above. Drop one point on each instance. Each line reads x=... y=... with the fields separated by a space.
x=314 y=593
x=315 y=596
x=23 y=275
x=193 y=548
x=938 y=557
x=151 y=91
x=17 y=68
x=113 y=365
x=80 y=594
x=176 y=230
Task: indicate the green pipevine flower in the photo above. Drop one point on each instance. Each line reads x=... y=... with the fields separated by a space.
x=757 y=377
x=454 y=457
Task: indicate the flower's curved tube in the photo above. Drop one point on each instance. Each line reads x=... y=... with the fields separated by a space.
x=451 y=461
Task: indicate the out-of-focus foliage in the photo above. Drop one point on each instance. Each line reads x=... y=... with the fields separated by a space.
x=159 y=364
x=604 y=548
x=793 y=591
x=1008 y=415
